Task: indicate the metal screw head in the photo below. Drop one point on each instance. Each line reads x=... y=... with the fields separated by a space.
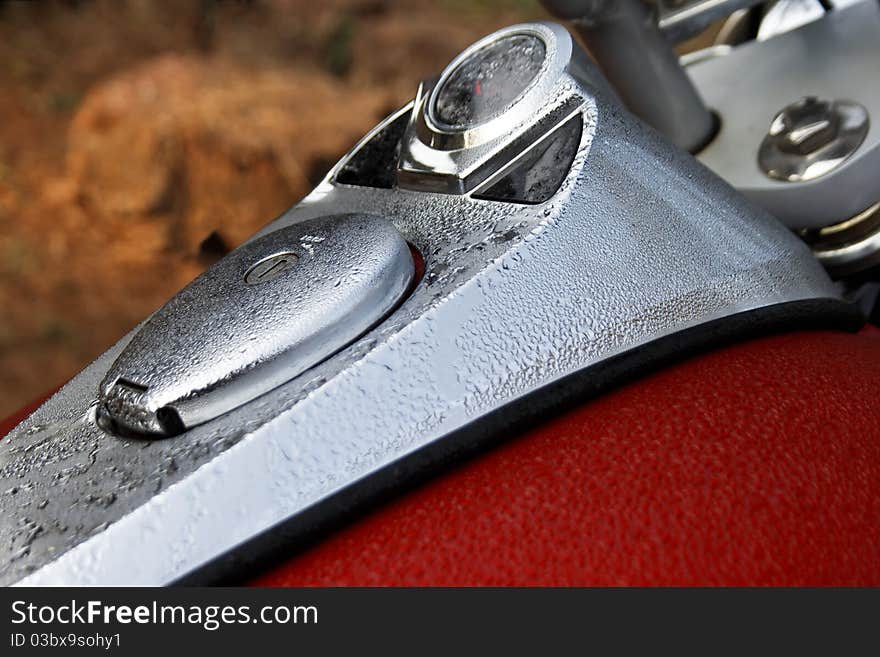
x=806 y=126
x=270 y=268
x=812 y=137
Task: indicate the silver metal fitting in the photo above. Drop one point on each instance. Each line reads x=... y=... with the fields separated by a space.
x=474 y=119
x=848 y=247
x=833 y=58
x=812 y=137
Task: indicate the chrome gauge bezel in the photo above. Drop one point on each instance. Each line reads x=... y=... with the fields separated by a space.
x=436 y=134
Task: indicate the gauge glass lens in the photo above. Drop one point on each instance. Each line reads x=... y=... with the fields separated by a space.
x=488 y=82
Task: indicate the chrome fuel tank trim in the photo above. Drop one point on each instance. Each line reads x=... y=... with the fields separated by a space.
x=639 y=243
x=267 y=312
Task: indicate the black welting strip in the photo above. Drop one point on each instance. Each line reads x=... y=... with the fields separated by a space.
x=289 y=538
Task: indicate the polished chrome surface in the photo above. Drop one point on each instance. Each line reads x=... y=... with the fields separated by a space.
x=439 y=158
x=535 y=175
x=270 y=267
x=786 y=15
x=681 y=20
x=705 y=54
x=487 y=82
x=678 y=20
x=835 y=57
x=811 y=138
x=850 y=247
x=270 y=310
x=640 y=242
x=641 y=65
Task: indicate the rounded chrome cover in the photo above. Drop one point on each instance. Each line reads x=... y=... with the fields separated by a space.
x=273 y=308
x=525 y=97
x=495 y=99
x=811 y=137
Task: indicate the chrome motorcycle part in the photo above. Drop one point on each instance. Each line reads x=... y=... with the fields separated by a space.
x=831 y=58
x=811 y=138
x=766 y=20
x=850 y=247
x=535 y=175
x=688 y=59
x=641 y=65
x=454 y=159
x=680 y=20
x=269 y=268
x=641 y=256
x=786 y=15
x=267 y=312
x=741 y=26
x=684 y=19
x=487 y=82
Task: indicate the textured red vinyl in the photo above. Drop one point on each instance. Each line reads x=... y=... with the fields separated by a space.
x=755 y=464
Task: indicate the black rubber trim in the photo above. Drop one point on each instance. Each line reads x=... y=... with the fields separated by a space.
x=284 y=541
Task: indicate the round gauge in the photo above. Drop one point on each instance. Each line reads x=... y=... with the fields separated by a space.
x=489 y=81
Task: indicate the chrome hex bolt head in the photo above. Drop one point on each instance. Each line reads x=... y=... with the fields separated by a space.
x=812 y=137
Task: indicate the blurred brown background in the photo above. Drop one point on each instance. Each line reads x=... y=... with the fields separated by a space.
x=140 y=139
